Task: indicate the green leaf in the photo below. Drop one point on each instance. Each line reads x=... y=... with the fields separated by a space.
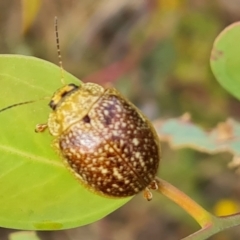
x=24 y=235
x=225 y=59
x=36 y=189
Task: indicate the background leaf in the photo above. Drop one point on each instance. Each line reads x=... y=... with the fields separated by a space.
x=29 y=12
x=225 y=59
x=37 y=191
x=181 y=133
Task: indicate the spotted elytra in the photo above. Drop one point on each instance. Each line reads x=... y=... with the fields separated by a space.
x=109 y=145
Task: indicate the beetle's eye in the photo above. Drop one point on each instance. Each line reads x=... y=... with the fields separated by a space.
x=60 y=94
x=52 y=105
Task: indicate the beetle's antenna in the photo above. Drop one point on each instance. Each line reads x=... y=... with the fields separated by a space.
x=16 y=104
x=22 y=103
x=60 y=64
x=59 y=51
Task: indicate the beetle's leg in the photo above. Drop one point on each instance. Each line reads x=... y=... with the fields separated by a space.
x=153 y=185
x=41 y=127
x=147 y=193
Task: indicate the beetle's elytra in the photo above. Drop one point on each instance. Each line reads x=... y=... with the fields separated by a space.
x=106 y=141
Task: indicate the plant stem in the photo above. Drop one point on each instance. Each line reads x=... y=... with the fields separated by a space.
x=203 y=217
x=229 y=221
x=220 y=223
x=210 y=224
x=202 y=234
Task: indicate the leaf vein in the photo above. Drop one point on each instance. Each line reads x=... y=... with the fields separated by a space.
x=31 y=156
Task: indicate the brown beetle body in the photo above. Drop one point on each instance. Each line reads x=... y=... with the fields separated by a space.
x=108 y=144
